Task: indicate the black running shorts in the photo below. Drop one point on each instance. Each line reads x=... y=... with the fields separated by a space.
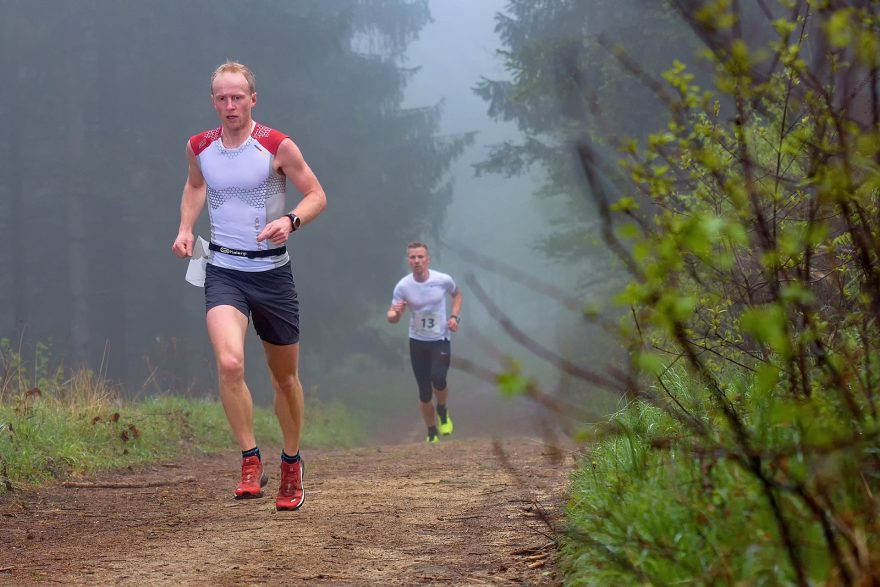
x=266 y=297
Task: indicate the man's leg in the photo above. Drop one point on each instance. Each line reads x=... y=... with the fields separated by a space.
x=440 y=360
x=445 y=425
x=441 y=395
x=227 y=328
x=420 y=358
x=427 y=410
x=283 y=361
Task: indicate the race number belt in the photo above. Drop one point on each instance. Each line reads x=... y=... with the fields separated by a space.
x=248 y=254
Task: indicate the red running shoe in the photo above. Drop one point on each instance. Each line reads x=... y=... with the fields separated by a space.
x=291 y=494
x=252 y=479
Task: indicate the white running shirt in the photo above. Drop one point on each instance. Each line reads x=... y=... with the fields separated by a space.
x=244 y=194
x=426 y=301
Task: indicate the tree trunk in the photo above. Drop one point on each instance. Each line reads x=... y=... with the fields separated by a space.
x=77 y=229
x=14 y=186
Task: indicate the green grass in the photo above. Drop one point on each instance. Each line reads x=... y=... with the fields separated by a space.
x=643 y=515
x=84 y=428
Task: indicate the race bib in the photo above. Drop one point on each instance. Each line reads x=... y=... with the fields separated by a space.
x=428 y=324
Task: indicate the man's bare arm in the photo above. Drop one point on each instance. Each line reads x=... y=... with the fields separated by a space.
x=456 y=310
x=191 y=203
x=395 y=312
x=292 y=164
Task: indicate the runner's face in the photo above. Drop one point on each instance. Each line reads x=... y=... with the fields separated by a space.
x=418 y=259
x=233 y=100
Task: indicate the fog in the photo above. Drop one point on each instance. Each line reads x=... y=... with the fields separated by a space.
x=381 y=99
x=491 y=215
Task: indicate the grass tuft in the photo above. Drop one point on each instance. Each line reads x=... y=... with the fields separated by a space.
x=64 y=428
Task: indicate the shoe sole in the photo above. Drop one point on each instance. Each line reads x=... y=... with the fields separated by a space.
x=248 y=495
x=293 y=509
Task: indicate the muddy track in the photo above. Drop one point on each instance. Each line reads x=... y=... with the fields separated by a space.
x=458 y=513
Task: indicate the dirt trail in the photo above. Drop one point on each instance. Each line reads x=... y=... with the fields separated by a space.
x=453 y=513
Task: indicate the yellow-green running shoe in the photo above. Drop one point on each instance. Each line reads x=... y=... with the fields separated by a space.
x=445 y=426
x=432 y=439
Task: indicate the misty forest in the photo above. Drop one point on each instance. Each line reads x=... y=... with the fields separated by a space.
x=663 y=215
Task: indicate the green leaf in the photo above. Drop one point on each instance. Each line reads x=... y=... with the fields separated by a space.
x=768 y=325
x=767 y=377
x=798 y=293
x=625 y=204
x=784 y=27
x=650 y=363
x=839 y=29
x=674 y=308
x=628 y=231
x=512 y=384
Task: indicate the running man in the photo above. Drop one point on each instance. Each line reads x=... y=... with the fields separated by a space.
x=240 y=169
x=424 y=292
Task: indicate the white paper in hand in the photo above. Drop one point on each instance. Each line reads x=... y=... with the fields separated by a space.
x=195 y=271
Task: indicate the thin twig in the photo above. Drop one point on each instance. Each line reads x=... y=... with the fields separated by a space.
x=125 y=484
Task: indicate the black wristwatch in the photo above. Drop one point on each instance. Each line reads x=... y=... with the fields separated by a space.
x=294 y=221
x=456 y=318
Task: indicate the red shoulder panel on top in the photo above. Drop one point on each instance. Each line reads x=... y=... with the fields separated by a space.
x=200 y=142
x=268 y=137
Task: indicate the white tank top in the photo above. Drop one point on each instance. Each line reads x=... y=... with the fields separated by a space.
x=244 y=194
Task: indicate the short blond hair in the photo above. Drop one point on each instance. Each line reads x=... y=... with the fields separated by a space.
x=235 y=67
x=417 y=245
